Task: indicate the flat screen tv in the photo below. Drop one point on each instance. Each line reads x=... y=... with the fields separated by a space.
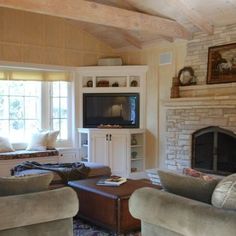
x=111 y=109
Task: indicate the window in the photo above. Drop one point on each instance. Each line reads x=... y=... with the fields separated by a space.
x=28 y=106
x=59 y=108
x=19 y=109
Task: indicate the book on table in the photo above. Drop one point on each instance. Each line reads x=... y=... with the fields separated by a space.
x=112 y=181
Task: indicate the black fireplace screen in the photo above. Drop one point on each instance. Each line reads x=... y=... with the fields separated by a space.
x=214 y=150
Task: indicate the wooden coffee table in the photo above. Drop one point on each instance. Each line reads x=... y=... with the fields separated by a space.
x=108 y=206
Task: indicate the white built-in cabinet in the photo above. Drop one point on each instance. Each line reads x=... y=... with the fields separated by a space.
x=109 y=148
x=113 y=147
x=68 y=155
x=123 y=76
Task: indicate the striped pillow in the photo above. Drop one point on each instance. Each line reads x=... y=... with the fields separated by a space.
x=224 y=195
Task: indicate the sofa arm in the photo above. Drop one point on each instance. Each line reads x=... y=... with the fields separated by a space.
x=40 y=207
x=181 y=215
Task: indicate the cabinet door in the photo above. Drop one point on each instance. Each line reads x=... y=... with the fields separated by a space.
x=67 y=157
x=118 y=154
x=99 y=148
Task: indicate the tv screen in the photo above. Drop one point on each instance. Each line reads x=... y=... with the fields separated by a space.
x=111 y=109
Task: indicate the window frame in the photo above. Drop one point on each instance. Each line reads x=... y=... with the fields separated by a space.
x=61 y=142
x=45 y=111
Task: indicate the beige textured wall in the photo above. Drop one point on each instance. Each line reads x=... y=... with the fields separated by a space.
x=34 y=38
x=159 y=79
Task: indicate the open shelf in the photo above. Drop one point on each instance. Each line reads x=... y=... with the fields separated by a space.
x=130 y=82
x=83 y=147
x=137 y=152
x=137 y=159
x=136 y=146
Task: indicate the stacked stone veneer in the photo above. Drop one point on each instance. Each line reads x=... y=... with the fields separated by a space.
x=200 y=106
x=197 y=48
x=182 y=122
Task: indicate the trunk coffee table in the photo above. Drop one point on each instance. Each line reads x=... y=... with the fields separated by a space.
x=108 y=206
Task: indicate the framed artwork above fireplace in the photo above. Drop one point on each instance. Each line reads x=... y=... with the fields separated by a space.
x=221 y=64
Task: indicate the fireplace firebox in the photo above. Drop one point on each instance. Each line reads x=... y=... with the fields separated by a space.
x=214 y=150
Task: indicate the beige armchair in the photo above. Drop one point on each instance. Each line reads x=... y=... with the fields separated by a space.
x=166 y=214
x=39 y=214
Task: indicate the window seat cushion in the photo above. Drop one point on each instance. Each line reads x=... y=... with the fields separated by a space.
x=21 y=154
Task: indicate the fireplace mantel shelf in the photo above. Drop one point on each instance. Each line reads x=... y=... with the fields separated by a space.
x=227 y=101
x=208 y=86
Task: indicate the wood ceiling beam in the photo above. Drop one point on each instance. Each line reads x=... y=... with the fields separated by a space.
x=131 y=39
x=169 y=39
x=101 y=14
x=154 y=42
x=193 y=16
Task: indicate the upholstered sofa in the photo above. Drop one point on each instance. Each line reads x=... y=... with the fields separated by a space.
x=39 y=214
x=167 y=214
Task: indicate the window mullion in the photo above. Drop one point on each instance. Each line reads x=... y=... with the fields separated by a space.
x=60 y=106
x=51 y=106
x=45 y=106
x=24 y=118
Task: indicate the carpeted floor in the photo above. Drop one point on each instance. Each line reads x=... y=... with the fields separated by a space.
x=82 y=228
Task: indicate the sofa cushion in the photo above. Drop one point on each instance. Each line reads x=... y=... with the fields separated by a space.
x=5 y=145
x=187 y=186
x=52 y=139
x=224 y=195
x=38 y=142
x=97 y=169
x=198 y=174
x=24 y=184
x=23 y=154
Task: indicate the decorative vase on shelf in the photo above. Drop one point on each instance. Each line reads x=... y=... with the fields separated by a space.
x=133 y=140
x=134 y=154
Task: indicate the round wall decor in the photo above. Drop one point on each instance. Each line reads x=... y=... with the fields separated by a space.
x=186 y=76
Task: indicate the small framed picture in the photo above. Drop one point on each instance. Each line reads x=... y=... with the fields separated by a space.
x=221 y=64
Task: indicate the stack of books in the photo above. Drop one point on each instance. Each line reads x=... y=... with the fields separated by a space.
x=112 y=181
x=153 y=176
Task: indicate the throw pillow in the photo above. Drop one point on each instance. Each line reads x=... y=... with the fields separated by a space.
x=51 y=139
x=224 y=195
x=197 y=174
x=38 y=142
x=187 y=186
x=5 y=145
x=24 y=184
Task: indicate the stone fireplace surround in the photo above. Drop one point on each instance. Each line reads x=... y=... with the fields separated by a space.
x=200 y=106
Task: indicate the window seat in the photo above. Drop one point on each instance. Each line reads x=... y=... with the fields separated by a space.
x=24 y=154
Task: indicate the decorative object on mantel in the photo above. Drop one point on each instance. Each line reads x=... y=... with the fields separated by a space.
x=134 y=169
x=90 y=83
x=221 y=64
x=133 y=140
x=186 y=76
x=134 y=154
x=103 y=83
x=109 y=126
x=134 y=83
x=110 y=61
x=175 y=88
x=115 y=84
